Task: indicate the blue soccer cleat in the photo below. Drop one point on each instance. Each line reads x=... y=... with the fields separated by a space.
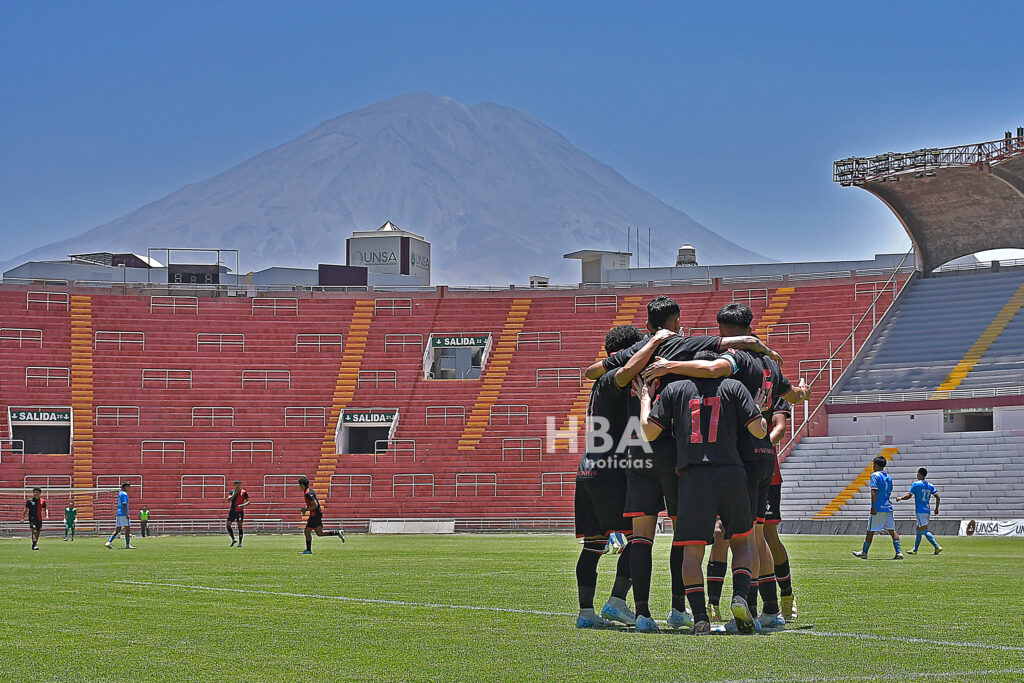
x=588 y=619
x=677 y=619
x=771 y=622
x=646 y=625
x=616 y=610
x=307 y=552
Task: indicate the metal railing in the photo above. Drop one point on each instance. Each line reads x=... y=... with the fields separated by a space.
x=443 y=413
x=873 y=288
x=934 y=395
x=509 y=411
x=474 y=481
x=21 y=335
x=833 y=365
x=164 y=448
x=376 y=378
x=593 y=302
x=826 y=275
x=396 y=447
x=319 y=341
x=809 y=415
x=203 y=482
x=117 y=413
x=403 y=341
x=538 y=340
x=46 y=481
x=392 y=306
x=789 y=331
x=211 y=416
x=749 y=296
x=317 y=414
x=552 y=482
x=121 y=339
x=266 y=378
x=349 y=484
x=522 y=446
x=271 y=482
x=48 y=300
x=702 y=332
x=12 y=447
x=134 y=479
x=174 y=303
x=219 y=340
x=275 y=305
x=252 y=448
x=39 y=375
x=415 y=483
x=167 y=376
x=741 y=279
x=558 y=375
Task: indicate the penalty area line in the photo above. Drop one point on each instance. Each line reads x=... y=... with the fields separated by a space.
x=342 y=598
x=907 y=639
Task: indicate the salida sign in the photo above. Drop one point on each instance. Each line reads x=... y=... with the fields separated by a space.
x=459 y=340
x=369 y=418
x=40 y=416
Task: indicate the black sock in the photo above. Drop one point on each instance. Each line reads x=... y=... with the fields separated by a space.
x=240 y=534
x=309 y=543
x=232 y=532
x=675 y=565
x=695 y=594
x=623 y=579
x=586 y=572
x=752 y=596
x=740 y=581
x=716 y=579
x=769 y=597
x=640 y=569
x=783 y=578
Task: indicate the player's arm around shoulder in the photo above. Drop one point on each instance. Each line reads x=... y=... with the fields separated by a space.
x=650 y=425
x=747 y=413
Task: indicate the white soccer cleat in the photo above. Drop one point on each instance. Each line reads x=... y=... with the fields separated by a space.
x=589 y=619
x=109 y=545
x=938 y=550
x=617 y=610
x=677 y=619
x=771 y=622
x=898 y=556
x=859 y=553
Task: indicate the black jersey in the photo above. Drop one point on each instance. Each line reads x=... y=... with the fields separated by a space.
x=311 y=499
x=678 y=348
x=705 y=416
x=238 y=498
x=764 y=380
x=35 y=509
x=608 y=407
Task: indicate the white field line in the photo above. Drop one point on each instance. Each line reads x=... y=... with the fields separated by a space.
x=901 y=675
x=510 y=610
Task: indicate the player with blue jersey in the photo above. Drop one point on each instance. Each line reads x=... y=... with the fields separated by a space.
x=881 y=510
x=922 y=492
x=124 y=522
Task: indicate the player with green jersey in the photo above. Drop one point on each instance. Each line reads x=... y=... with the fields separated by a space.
x=70 y=515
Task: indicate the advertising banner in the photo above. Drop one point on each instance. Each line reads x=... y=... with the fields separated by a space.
x=991 y=527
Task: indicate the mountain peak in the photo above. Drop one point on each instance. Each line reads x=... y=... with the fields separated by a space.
x=499 y=194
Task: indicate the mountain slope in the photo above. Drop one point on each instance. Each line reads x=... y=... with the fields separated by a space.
x=500 y=195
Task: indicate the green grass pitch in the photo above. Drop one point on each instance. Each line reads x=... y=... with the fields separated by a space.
x=64 y=615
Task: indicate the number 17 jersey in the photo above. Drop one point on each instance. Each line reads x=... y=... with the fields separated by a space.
x=704 y=417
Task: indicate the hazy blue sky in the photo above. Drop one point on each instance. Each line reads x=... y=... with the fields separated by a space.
x=733 y=113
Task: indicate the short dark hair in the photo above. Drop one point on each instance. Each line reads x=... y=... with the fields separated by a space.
x=125 y=485
x=706 y=354
x=37 y=490
x=923 y=472
x=621 y=337
x=660 y=310
x=238 y=481
x=736 y=314
x=304 y=481
x=880 y=461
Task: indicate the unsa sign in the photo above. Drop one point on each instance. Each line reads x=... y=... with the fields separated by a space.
x=459 y=341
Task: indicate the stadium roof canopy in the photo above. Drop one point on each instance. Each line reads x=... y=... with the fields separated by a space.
x=953 y=201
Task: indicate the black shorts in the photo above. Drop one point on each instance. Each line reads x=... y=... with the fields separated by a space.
x=651 y=490
x=236 y=515
x=600 y=502
x=759 y=478
x=772 y=514
x=707 y=492
x=35 y=524
x=315 y=520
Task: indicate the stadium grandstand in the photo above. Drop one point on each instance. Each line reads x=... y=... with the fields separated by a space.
x=418 y=402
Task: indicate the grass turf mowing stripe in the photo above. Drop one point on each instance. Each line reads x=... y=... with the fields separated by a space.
x=875 y=677
x=342 y=598
x=511 y=610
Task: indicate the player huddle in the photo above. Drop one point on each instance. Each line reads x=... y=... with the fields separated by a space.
x=704 y=452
